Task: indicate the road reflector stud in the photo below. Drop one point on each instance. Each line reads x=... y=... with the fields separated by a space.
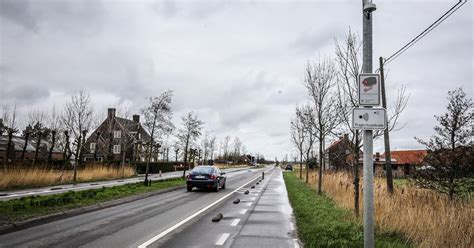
x=236 y=201
x=217 y=218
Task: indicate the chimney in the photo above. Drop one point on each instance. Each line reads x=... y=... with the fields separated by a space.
x=136 y=118
x=111 y=113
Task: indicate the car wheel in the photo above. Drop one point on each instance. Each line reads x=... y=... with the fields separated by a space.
x=190 y=188
x=216 y=189
x=223 y=186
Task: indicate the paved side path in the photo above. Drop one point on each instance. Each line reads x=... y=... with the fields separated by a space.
x=271 y=223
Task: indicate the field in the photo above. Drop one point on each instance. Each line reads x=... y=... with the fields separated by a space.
x=425 y=218
x=37 y=177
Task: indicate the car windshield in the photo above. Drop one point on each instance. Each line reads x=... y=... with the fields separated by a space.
x=203 y=170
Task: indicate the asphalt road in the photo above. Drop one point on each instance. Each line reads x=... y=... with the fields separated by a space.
x=156 y=220
x=15 y=194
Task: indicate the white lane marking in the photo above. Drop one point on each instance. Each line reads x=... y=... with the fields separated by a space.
x=252 y=198
x=161 y=235
x=243 y=211
x=222 y=239
x=235 y=222
x=249 y=204
x=295 y=243
x=292 y=227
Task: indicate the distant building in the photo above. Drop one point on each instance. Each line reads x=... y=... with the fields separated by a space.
x=18 y=144
x=118 y=139
x=339 y=155
x=404 y=162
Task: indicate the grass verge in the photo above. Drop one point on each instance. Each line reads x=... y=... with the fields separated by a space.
x=35 y=206
x=321 y=223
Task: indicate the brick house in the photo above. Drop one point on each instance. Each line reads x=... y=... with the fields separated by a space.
x=338 y=153
x=406 y=161
x=118 y=139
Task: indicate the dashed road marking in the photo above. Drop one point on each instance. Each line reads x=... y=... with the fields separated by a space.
x=249 y=204
x=182 y=222
x=253 y=199
x=243 y=211
x=235 y=222
x=292 y=227
x=222 y=239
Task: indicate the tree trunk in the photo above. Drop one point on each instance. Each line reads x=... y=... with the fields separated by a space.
x=320 y=183
x=27 y=136
x=355 y=168
x=185 y=156
x=9 y=148
x=150 y=149
x=38 y=144
x=76 y=159
x=301 y=165
x=53 y=141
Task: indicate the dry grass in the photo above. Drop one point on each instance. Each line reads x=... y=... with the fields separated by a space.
x=426 y=218
x=37 y=177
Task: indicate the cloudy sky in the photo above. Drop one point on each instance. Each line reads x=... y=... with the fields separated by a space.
x=237 y=64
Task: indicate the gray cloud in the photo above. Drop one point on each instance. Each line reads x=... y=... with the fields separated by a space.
x=238 y=65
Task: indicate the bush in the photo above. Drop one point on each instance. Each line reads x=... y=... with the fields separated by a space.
x=155 y=167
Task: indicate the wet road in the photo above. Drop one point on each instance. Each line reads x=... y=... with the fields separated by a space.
x=262 y=218
x=139 y=223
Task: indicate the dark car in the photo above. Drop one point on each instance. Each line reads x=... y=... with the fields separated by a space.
x=206 y=177
x=289 y=167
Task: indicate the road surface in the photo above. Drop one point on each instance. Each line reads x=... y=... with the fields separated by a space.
x=179 y=219
x=15 y=194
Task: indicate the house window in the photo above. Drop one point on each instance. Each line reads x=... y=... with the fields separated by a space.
x=117 y=134
x=92 y=147
x=116 y=149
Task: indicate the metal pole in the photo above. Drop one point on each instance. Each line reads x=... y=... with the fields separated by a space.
x=367 y=134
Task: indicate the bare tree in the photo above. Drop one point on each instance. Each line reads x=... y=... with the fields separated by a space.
x=77 y=120
x=307 y=118
x=349 y=66
x=10 y=123
x=157 y=116
x=449 y=167
x=298 y=135
x=212 y=147
x=320 y=81
x=54 y=127
x=225 y=147
x=187 y=135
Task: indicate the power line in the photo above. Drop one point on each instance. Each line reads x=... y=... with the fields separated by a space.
x=426 y=31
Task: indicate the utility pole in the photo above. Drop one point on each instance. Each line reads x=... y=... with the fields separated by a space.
x=367 y=8
x=386 y=138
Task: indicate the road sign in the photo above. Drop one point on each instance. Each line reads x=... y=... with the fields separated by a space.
x=369 y=89
x=368 y=118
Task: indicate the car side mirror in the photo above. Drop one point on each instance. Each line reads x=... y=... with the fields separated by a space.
x=222 y=173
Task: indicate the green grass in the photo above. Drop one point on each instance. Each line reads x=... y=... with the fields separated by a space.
x=321 y=223
x=35 y=206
